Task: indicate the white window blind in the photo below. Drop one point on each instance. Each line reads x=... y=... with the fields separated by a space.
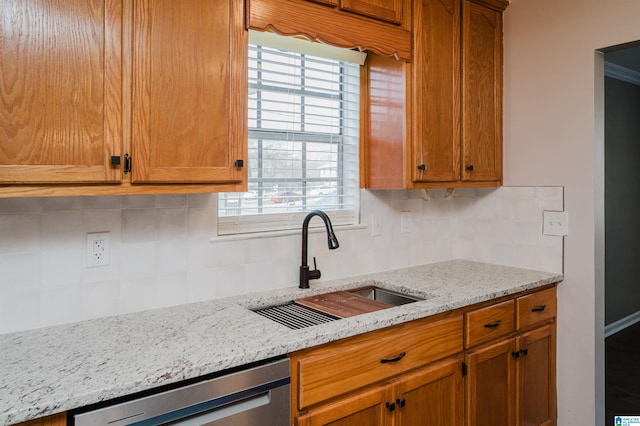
x=303 y=141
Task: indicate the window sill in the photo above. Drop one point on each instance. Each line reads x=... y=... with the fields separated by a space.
x=272 y=234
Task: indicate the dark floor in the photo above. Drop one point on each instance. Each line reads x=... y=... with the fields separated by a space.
x=622 y=373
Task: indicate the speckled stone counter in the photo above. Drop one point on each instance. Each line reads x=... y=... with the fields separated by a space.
x=60 y=368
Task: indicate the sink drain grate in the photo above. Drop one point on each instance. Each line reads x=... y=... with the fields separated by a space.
x=294 y=316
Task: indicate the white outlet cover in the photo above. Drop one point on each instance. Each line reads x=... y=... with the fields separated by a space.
x=98 y=249
x=555 y=223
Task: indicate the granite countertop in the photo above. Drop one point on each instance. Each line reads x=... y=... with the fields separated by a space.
x=60 y=368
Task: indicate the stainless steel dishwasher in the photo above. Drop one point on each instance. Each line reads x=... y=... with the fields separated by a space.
x=256 y=396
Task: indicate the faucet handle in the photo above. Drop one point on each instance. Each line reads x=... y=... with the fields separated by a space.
x=315 y=274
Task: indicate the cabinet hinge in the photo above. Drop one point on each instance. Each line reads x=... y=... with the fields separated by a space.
x=127 y=163
x=465 y=369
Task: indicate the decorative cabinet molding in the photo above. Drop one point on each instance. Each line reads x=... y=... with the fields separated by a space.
x=383 y=27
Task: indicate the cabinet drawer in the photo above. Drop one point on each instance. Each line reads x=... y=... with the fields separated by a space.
x=535 y=308
x=345 y=366
x=483 y=325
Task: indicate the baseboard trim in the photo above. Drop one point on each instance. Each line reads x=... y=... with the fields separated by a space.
x=621 y=324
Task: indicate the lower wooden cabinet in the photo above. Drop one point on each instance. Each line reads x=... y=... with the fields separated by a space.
x=512 y=382
x=490 y=364
x=429 y=396
x=536 y=377
x=490 y=388
x=53 y=420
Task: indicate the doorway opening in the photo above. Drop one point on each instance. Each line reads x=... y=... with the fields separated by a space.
x=618 y=250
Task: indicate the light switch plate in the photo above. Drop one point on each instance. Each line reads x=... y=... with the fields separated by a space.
x=555 y=223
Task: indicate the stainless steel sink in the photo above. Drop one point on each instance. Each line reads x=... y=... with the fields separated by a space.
x=385 y=296
x=328 y=307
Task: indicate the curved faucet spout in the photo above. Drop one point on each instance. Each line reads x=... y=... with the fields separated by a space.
x=332 y=241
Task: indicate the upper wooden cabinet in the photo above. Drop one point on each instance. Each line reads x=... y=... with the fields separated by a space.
x=452 y=136
x=457 y=96
x=380 y=26
x=186 y=60
x=482 y=90
x=60 y=91
x=85 y=84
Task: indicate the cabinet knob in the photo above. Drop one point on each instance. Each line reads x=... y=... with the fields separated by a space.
x=422 y=167
x=401 y=402
x=390 y=406
x=524 y=352
x=515 y=354
x=469 y=167
x=538 y=308
x=239 y=163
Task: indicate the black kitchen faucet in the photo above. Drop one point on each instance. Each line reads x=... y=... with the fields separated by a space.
x=305 y=273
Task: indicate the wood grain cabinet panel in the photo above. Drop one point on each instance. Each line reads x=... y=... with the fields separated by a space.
x=53 y=420
x=362 y=408
x=384 y=10
x=512 y=380
x=536 y=377
x=428 y=396
x=481 y=92
x=536 y=308
x=84 y=84
x=60 y=91
x=488 y=323
x=346 y=366
x=431 y=396
x=436 y=99
x=491 y=386
x=187 y=122
x=453 y=96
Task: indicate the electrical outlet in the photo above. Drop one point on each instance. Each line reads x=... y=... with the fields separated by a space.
x=555 y=223
x=405 y=222
x=98 y=249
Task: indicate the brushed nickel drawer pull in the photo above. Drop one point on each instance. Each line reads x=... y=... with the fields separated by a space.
x=539 y=308
x=493 y=324
x=394 y=359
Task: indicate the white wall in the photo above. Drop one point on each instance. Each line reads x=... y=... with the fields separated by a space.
x=552 y=132
x=161 y=252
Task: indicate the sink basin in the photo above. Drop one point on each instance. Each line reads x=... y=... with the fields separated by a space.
x=321 y=308
x=385 y=296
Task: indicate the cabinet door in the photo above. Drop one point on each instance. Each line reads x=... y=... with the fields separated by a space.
x=60 y=91
x=536 y=377
x=189 y=91
x=481 y=93
x=490 y=387
x=431 y=396
x=384 y=10
x=363 y=408
x=436 y=80
x=53 y=420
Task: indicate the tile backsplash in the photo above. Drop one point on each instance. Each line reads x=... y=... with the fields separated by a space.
x=164 y=251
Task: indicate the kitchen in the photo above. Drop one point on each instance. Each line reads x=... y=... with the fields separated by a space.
x=545 y=42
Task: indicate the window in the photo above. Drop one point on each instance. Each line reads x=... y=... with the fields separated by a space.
x=303 y=139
